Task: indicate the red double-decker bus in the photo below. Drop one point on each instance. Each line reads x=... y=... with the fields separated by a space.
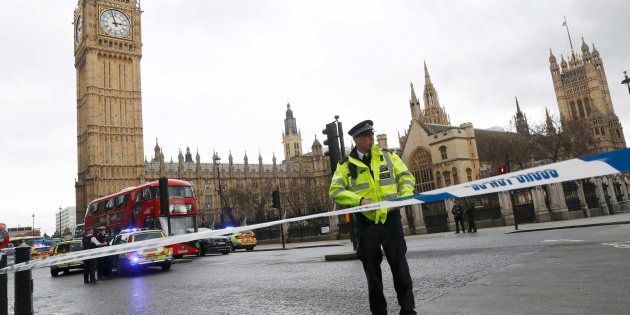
x=139 y=207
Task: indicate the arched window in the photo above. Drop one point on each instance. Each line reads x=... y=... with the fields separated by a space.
x=438 y=179
x=587 y=105
x=447 y=178
x=443 y=153
x=469 y=174
x=420 y=166
x=580 y=108
x=573 y=111
x=455 y=177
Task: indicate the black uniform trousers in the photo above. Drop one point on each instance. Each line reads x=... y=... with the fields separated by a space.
x=472 y=227
x=390 y=235
x=89 y=271
x=459 y=221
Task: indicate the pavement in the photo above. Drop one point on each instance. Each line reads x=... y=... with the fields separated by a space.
x=580 y=270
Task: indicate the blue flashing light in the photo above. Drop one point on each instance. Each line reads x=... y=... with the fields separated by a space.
x=134 y=260
x=129 y=230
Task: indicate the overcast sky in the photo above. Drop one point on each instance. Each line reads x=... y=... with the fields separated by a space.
x=216 y=75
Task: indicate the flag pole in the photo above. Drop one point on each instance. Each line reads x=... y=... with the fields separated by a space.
x=567 y=26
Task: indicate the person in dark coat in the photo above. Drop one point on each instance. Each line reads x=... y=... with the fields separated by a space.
x=458 y=214
x=89 y=265
x=470 y=215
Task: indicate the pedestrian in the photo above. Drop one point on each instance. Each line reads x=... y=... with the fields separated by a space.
x=370 y=175
x=469 y=206
x=89 y=265
x=458 y=215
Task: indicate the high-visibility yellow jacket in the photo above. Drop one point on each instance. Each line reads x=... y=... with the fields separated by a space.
x=388 y=180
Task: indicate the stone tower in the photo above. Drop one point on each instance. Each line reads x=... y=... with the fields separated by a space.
x=520 y=120
x=107 y=53
x=433 y=112
x=414 y=105
x=291 y=137
x=583 y=95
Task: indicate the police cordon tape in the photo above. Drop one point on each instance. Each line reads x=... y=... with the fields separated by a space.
x=591 y=166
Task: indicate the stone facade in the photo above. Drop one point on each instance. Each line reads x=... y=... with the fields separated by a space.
x=582 y=93
x=109 y=105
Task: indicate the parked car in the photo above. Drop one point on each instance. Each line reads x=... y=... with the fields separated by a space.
x=219 y=244
x=245 y=239
x=127 y=262
x=64 y=248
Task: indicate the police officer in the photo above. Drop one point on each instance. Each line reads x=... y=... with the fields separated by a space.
x=103 y=266
x=89 y=265
x=370 y=175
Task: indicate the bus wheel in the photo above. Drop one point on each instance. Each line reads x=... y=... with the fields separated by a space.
x=166 y=266
x=178 y=256
x=54 y=272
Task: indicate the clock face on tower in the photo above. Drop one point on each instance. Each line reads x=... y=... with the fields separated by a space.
x=115 y=23
x=78 y=28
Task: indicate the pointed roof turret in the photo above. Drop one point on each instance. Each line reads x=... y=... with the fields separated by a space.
x=552 y=58
x=245 y=158
x=260 y=159
x=518 y=108
x=273 y=159
x=414 y=98
x=230 y=158
x=316 y=143
x=563 y=63
x=189 y=158
x=549 y=123
x=198 y=157
x=595 y=52
x=584 y=46
x=427 y=77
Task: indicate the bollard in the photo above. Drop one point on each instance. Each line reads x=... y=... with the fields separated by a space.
x=4 y=293
x=23 y=283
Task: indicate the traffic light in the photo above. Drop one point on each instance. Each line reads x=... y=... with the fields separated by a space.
x=275 y=199
x=332 y=141
x=502 y=169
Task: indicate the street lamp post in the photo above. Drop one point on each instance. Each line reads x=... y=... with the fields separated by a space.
x=59 y=222
x=626 y=80
x=216 y=160
x=33 y=226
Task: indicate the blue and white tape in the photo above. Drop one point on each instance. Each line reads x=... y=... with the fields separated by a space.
x=590 y=166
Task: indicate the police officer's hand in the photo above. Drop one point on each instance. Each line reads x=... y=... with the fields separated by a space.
x=366 y=201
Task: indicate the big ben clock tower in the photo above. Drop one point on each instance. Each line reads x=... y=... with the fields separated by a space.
x=107 y=53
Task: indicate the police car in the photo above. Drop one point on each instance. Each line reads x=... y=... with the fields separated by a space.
x=132 y=261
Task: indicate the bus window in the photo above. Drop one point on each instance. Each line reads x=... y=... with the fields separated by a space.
x=109 y=205
x=180 y=192
x=146 y=194
x=121 y=201
x=100 y=207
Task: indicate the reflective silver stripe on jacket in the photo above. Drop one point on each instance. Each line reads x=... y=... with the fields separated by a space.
x=402 y=174
x=337 y=192
x=338 y=181
x=390 y=197
x=359 y=187
x=387 y=181
x=406 y=182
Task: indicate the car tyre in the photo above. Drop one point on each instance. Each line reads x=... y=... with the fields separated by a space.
x=166 y=266
x=225 y=252
x=249 y=248
x=54 y=272
x=178 y=256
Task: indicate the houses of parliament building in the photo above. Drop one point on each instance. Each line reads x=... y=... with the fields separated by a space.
x=108 y=51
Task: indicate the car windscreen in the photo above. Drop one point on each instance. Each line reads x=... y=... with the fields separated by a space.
x=70 y=247
x=146 y=236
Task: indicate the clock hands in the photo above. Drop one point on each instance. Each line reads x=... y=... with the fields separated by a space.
x=114 y=18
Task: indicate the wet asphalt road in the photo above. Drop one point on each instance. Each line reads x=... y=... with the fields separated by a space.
x=297 y=281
